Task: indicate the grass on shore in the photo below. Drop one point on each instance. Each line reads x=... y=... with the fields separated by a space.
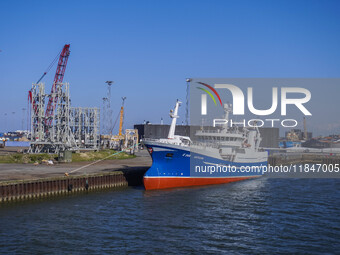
x=21 y=158
x=26 y=158
x=93 y=155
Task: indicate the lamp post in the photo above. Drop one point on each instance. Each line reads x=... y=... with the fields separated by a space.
x=108 y=108
x=188 y=80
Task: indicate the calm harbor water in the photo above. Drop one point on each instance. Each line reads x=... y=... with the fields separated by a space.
x=262 y=216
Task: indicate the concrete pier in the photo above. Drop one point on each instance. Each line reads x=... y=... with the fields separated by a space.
x=303 y=158
x=27 y=181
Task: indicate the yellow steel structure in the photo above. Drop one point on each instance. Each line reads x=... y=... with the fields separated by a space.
x=121 y=118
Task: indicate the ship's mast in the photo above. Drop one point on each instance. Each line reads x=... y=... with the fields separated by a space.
x=174 y=116
x=227 y=110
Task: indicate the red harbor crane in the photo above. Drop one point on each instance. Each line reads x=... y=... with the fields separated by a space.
x=58 y=79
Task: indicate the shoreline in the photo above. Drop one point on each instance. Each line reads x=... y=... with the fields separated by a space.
x=29 y=181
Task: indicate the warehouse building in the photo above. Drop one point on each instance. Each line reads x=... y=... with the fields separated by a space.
x=270 y=136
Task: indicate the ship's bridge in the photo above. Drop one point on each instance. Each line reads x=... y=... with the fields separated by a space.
x=222 y=138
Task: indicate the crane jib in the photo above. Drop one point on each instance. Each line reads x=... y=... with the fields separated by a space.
x=58 y=79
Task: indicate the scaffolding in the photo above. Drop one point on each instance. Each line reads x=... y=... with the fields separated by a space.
x=67 y=128
x=131 y=140
x=84 y=124
x=37 y=113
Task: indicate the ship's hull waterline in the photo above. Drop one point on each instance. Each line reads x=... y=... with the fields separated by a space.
x=171 y=168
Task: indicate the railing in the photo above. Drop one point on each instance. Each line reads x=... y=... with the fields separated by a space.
x=165 y=141
x=231 y=134
x=216 y=144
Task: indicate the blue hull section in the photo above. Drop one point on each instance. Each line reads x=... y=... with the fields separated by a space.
x=174 y=162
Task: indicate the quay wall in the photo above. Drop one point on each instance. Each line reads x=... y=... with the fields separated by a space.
x=302 y=158
x=47 y=187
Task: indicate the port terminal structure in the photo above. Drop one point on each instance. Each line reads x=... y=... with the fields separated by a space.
x=68 y=128
x=60 y=127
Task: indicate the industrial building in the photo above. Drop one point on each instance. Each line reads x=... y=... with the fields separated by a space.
x=270 y=136
x=298 y=135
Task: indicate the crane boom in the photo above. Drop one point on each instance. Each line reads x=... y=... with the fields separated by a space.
x=58 y=78
x=121 y=118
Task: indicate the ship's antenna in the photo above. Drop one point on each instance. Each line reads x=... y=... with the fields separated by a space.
x=227 y=110
x=174 y=116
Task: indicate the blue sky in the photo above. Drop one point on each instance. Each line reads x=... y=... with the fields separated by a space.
x=149 y=47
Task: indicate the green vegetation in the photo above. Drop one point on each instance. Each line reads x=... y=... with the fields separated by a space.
x=26 y=158
x=103 y=154
x=76 y=157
